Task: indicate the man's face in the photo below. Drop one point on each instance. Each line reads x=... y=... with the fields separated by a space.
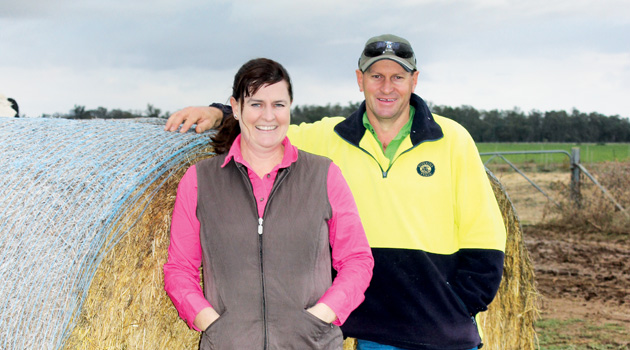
x=387 y=87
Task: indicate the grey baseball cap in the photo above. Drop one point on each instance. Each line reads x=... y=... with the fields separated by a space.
x=388 y=47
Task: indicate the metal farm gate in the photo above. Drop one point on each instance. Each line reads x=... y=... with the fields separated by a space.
x=576 y=169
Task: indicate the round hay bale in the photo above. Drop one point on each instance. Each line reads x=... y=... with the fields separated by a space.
x=70 y=190
x=509 y=321
x=126 y=306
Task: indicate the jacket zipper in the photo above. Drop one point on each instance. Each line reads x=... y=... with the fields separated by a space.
x=383 y=172
x=400 y=155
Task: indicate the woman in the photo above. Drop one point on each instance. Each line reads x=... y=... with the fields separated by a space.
x=266 y=221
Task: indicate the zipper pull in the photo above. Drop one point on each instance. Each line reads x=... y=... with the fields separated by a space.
x=260 y=227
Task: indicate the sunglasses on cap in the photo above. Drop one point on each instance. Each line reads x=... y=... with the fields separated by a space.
x=378 y=48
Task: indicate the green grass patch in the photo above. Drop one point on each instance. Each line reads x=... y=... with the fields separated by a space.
x=577 y=334
x=589 y=152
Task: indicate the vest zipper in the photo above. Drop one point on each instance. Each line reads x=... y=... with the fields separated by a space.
x=245 y=176
x=262 y=281
x=282 y=174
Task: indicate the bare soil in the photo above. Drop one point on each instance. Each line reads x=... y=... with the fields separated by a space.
x=581 y=276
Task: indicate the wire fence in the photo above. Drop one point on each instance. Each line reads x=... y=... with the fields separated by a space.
x=64 y=185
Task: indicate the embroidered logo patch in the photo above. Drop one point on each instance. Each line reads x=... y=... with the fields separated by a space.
x=426 y=169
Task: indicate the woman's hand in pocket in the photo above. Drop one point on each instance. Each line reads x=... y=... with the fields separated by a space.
x=205 y=318
x=323 y=312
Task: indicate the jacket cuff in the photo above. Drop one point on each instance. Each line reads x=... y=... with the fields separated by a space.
x=226 y=109
x=194 y=304
x=337 y=301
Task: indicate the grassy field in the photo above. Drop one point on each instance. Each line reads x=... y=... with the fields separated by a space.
x=589 y=153
x=579 y=334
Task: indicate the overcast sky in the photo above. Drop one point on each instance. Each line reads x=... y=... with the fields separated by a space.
x=489 y=54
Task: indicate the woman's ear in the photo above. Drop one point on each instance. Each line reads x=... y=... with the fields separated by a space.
x=235 y=106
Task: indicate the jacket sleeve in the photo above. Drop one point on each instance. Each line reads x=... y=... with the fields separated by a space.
x=181 y=271
x=481 y=233
x=315 y=137
x=351 y=253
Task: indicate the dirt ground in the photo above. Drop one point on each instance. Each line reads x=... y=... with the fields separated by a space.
x=580 y=276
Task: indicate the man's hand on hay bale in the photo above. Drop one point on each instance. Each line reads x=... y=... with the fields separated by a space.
x=205 y=318
x=206 y=118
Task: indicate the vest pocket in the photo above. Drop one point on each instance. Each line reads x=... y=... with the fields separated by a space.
x=211 y=337
x=317 y=322
x=317 y=333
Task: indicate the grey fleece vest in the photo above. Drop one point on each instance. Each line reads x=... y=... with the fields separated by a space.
x=261 y=278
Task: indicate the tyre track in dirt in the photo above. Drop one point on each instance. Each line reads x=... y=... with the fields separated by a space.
x=581 y=276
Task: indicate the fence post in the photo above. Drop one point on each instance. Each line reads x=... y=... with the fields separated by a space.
x=575 y=175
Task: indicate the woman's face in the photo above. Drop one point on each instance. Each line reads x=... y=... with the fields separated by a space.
x=264 y=118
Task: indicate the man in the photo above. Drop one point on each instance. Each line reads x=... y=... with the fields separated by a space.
x=429 y=212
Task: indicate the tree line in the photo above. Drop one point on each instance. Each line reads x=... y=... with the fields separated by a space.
x=508 y=125
x=535 y=126
x=484 y=126
x=80 y=112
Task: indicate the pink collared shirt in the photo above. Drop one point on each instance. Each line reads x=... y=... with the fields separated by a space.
x=351 y=254
x=262 y=186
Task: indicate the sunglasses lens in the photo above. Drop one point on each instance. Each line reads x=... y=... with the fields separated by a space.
x=402 y=50
x=375 y=49
x=372 y=52
x=404 y=54
x=378 y=48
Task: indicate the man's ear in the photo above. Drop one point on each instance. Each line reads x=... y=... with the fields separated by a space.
x=415 y=80
x=360 y=79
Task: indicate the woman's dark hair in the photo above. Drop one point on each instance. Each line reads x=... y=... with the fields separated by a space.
x=248 y=80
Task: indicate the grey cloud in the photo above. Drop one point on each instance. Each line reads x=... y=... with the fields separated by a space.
x=319 y=39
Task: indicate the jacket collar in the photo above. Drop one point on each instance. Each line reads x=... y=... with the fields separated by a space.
x=423 y=127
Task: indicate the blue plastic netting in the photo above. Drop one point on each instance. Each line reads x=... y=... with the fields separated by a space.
x=63 y=186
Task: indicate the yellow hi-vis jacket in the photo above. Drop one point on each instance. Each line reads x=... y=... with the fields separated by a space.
x=433 y=223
